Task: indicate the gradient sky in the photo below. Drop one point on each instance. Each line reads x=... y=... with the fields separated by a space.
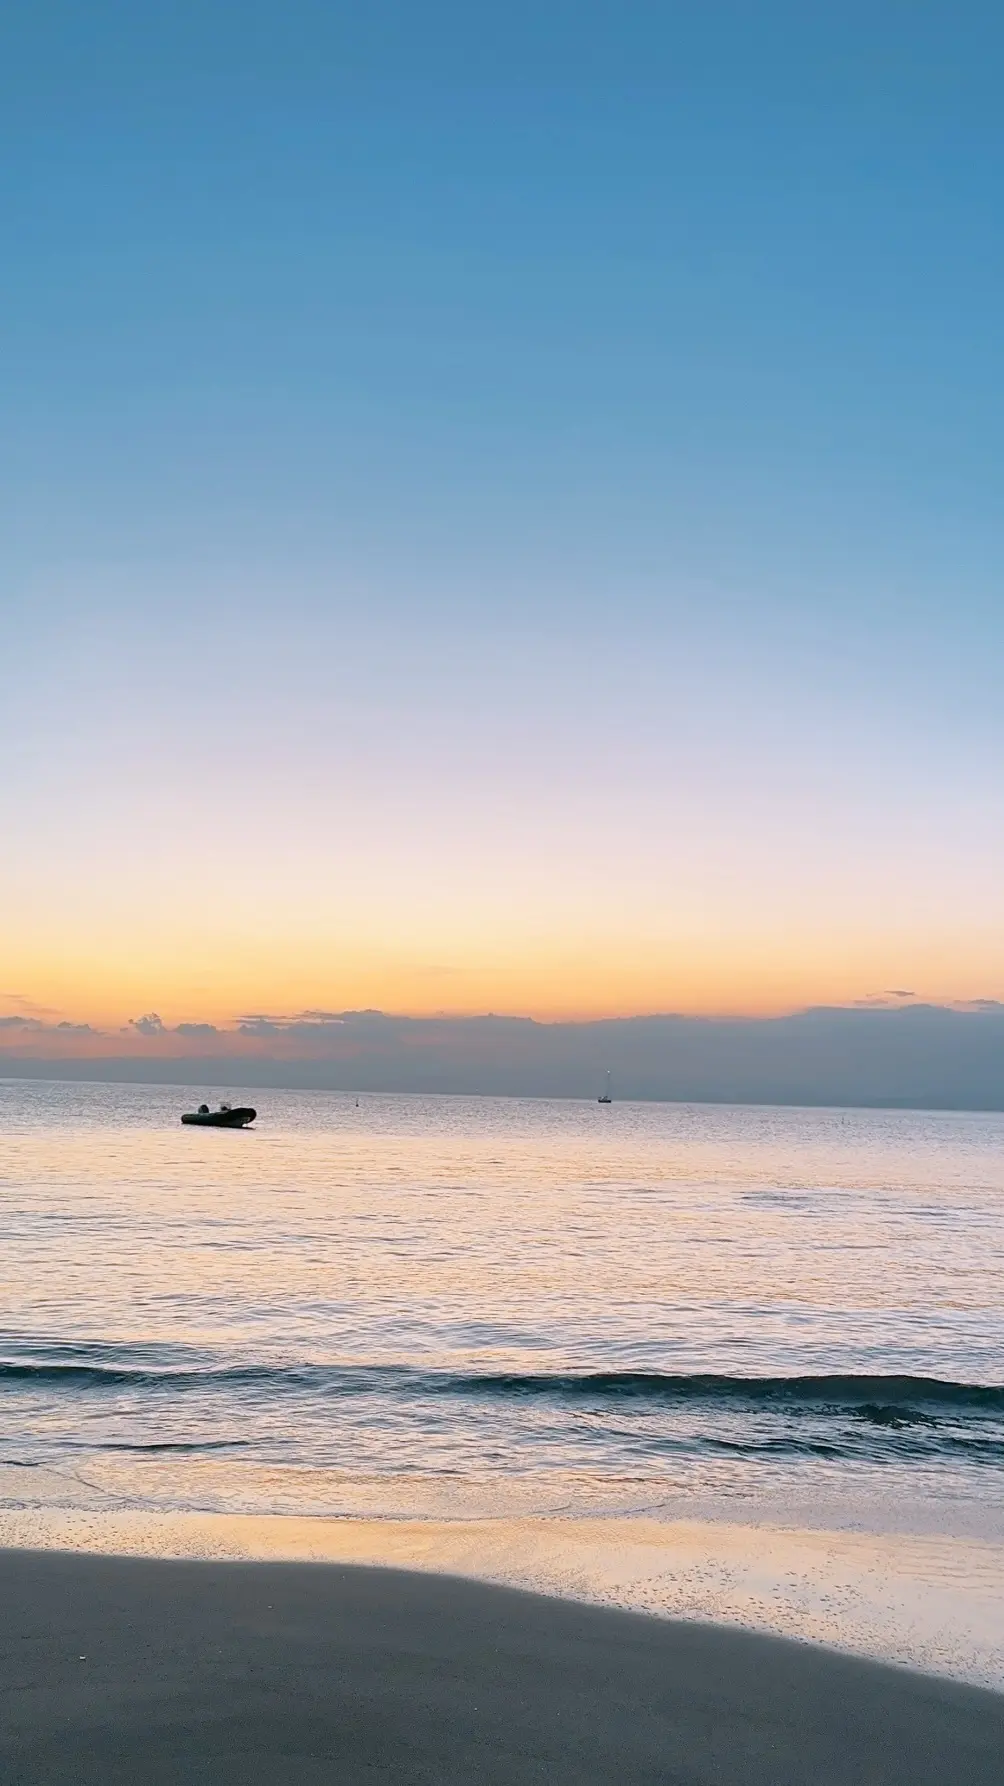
x=500 y=508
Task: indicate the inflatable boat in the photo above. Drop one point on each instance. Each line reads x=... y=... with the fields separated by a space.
x=227 y=1116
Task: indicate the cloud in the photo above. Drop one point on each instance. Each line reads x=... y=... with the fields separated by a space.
x=150 y=1025
x=258 y=1023
x=888 y=1051
x=880 y=1000
x=33 y=1031
x=36 y=1027
x=26 y=1007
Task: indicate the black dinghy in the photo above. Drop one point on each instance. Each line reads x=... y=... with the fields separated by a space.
x=226 y=1117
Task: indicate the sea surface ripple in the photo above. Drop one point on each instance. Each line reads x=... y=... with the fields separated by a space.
x=455 y=1305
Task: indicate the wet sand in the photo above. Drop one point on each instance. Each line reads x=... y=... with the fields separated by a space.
x=124 y=1670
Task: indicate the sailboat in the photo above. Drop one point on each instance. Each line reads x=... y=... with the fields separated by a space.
x=605 y=1097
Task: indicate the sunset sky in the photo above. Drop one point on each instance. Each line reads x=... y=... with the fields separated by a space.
x=500 y=508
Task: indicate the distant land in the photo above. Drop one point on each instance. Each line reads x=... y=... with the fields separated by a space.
x=889 y=1055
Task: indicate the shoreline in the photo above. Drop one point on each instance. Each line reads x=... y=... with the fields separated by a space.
x=924 y=1603
x=119 y=1669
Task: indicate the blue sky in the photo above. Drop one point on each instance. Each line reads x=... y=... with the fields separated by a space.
x=545 y=464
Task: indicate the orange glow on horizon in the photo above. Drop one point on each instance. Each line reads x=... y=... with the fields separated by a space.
x=207 y=981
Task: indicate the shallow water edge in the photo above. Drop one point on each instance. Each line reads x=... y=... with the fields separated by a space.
x=926 y=1602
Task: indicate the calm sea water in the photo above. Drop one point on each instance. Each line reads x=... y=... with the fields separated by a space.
x=454 y=1305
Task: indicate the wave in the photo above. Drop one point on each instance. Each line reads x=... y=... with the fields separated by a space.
x=185 y=1445
x=71 y=1374
x=875 y=1397
x=851 y=1392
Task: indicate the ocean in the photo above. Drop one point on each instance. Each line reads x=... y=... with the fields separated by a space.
x=471 y=1309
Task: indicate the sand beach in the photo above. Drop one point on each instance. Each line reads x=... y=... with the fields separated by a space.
x=124 y=1670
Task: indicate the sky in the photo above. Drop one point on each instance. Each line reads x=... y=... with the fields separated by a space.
x=500 y=509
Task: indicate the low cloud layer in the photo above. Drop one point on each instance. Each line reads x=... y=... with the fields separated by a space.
x=150 y=1025
x=38 y=1026
x=890 y=1052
